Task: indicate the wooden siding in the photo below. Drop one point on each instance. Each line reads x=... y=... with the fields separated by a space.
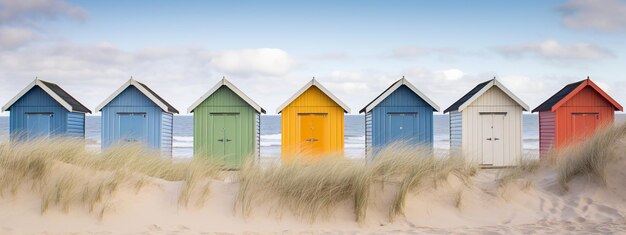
x=402 y=100
x=167 y=133
x=37 y=101
x=225 y=101
x=312 y=100
x=586 y=101
x=131 y=100
x=494 y=100
x=76 y=124
x=368 y=136
x=257 y=131
x=456 y=130
x=547 y=132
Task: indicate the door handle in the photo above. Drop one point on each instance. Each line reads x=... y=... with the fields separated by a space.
x=220 y=140
x=228 y=140
x=496 y=139
x=489 y=139
x=311 y=140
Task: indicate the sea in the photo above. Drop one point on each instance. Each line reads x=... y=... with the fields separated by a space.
x=270 y=134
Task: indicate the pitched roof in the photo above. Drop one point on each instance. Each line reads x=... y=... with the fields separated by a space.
x=547 y=105
x=455 y=106
x=315 y=83
x=394 y=87
x=145 y=90
x=569 y=91
x=233 y=88
x=54 y=91
x=480 y=89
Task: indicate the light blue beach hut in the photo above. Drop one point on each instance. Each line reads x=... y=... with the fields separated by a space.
x=136 y=114
x=42 y=109
x=401 y=113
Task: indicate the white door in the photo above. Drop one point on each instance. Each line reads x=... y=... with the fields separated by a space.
x=492 y=138
x=486 y=157
x=498 y=140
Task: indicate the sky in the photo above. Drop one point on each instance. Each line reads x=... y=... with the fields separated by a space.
x=270 y=49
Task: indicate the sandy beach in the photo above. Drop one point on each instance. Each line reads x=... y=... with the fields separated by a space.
x=532 y=200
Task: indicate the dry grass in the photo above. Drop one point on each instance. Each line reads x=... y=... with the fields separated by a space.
x=591 y=156
x=458 y=199
x=312 y=190
x=63 y=174
x=524 y=168
x=308 y=190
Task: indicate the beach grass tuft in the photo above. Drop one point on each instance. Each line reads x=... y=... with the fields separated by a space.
x=590 y=157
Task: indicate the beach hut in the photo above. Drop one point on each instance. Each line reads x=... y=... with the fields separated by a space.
x=42 y=109
x=400 y=113
x=136 y=114
x=226 y=125
x=486 y=125
x=312 y=122
x=574 y=113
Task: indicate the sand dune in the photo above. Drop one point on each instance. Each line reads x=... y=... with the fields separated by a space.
x=534 y=202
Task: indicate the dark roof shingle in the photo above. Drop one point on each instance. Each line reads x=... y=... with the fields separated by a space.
x=466 y=97
x=547 y=105
x=368 y=104
x=76 y=106
x=170 y=108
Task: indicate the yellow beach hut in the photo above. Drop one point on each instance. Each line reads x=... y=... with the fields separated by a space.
x=312 y=123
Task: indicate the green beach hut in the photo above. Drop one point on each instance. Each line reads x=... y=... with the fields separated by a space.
x=226 y=125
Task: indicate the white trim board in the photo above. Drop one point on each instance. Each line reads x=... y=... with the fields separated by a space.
x=43 y=86
x=139 y=87
x=393 y=88
x=497 y=83
x=233 y=88
x=315 y=83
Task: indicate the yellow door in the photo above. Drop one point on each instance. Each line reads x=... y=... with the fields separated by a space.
x=312 y=135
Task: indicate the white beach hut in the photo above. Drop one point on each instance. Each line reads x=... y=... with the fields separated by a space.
x=486 y=125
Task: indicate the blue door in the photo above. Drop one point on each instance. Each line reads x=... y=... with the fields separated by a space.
x=401 y=127
x=132 y=127
x=38 y=125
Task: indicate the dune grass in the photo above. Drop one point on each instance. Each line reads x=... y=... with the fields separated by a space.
x=311 y=191
x=64 y=174
x=524 y=168
x=591 y=156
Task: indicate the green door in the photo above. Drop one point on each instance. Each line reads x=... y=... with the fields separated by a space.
x=225 y=138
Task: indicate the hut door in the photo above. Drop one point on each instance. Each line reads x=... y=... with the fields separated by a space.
x=312 y=131
x=38 y=125
x=492 y=125
x=401 y=126
x=225 y=132
x=584 y=125
x=132 y=127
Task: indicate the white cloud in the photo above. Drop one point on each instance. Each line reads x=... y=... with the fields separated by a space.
x=180 y=75
x=27 y=11
x=11 y=37
x=453 y=74
x=267 y=61
x=596 y=15
x=554 y=50
x=20 y=20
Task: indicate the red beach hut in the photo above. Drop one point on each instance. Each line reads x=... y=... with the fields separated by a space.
x=574 y=113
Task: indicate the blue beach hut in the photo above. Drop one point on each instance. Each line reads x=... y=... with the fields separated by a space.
x=42 y=109
x=136 y=114
x=400 y=113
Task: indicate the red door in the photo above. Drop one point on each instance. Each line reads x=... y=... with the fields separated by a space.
x=584 y=125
